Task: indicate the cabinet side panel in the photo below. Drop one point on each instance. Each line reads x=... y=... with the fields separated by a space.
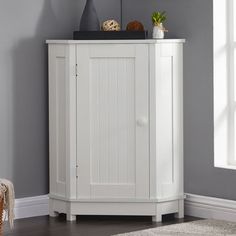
x=164 y=126
x=57 y=119
x=178 y=117
x=168 y=84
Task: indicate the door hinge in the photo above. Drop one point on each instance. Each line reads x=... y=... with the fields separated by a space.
x=76 y=70
x=77 y=171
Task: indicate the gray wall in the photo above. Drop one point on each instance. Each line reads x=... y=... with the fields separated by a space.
x=26 y=24
x=192 y=19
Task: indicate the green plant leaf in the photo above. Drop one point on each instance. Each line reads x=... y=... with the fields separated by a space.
x=158 y=17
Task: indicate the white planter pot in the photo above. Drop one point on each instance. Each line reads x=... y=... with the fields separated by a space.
x=158 y=32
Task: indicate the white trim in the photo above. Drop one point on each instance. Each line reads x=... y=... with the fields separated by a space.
x=137 y=41
x=195 y=205
x=31 y=207
x=231 y=167
x=209 y=207
x=224 y=84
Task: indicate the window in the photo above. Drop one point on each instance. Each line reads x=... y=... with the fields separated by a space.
x=225 y=83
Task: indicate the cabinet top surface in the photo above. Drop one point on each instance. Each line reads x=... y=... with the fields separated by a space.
x=142 y=41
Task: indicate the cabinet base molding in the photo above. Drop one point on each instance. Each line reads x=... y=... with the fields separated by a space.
x=154 y=209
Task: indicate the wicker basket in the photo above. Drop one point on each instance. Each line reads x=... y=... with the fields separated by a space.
x=1 y=216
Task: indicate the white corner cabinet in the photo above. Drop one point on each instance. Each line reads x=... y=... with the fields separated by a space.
x=116 y=127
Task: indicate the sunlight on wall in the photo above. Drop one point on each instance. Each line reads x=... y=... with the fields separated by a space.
x=224 y=86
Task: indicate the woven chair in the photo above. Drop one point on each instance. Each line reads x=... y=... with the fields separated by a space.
x=1 y=216
x=3 y=191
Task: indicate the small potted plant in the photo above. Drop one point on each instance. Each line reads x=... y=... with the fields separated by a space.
x=158 y=18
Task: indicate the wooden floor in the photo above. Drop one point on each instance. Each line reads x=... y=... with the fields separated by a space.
x=85 y=226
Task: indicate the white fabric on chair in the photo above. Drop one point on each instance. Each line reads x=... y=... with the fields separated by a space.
x=7 y=192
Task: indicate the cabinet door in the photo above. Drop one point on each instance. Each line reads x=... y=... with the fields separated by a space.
x=112 y=121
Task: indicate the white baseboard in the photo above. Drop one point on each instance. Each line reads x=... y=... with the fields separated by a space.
x=209 y=207
x=195 y=205
x=31 y=206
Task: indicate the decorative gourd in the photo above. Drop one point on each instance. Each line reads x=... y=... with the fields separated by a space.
x=135 y=26
x=110 y=25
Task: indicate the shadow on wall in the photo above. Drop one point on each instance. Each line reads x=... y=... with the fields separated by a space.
x=30 y=97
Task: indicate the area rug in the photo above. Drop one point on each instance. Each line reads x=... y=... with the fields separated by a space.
x=200 y=227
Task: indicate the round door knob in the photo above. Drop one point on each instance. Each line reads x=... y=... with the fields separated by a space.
x=143 y=121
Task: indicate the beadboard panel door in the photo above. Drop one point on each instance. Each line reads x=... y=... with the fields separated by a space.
x=112 y=121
